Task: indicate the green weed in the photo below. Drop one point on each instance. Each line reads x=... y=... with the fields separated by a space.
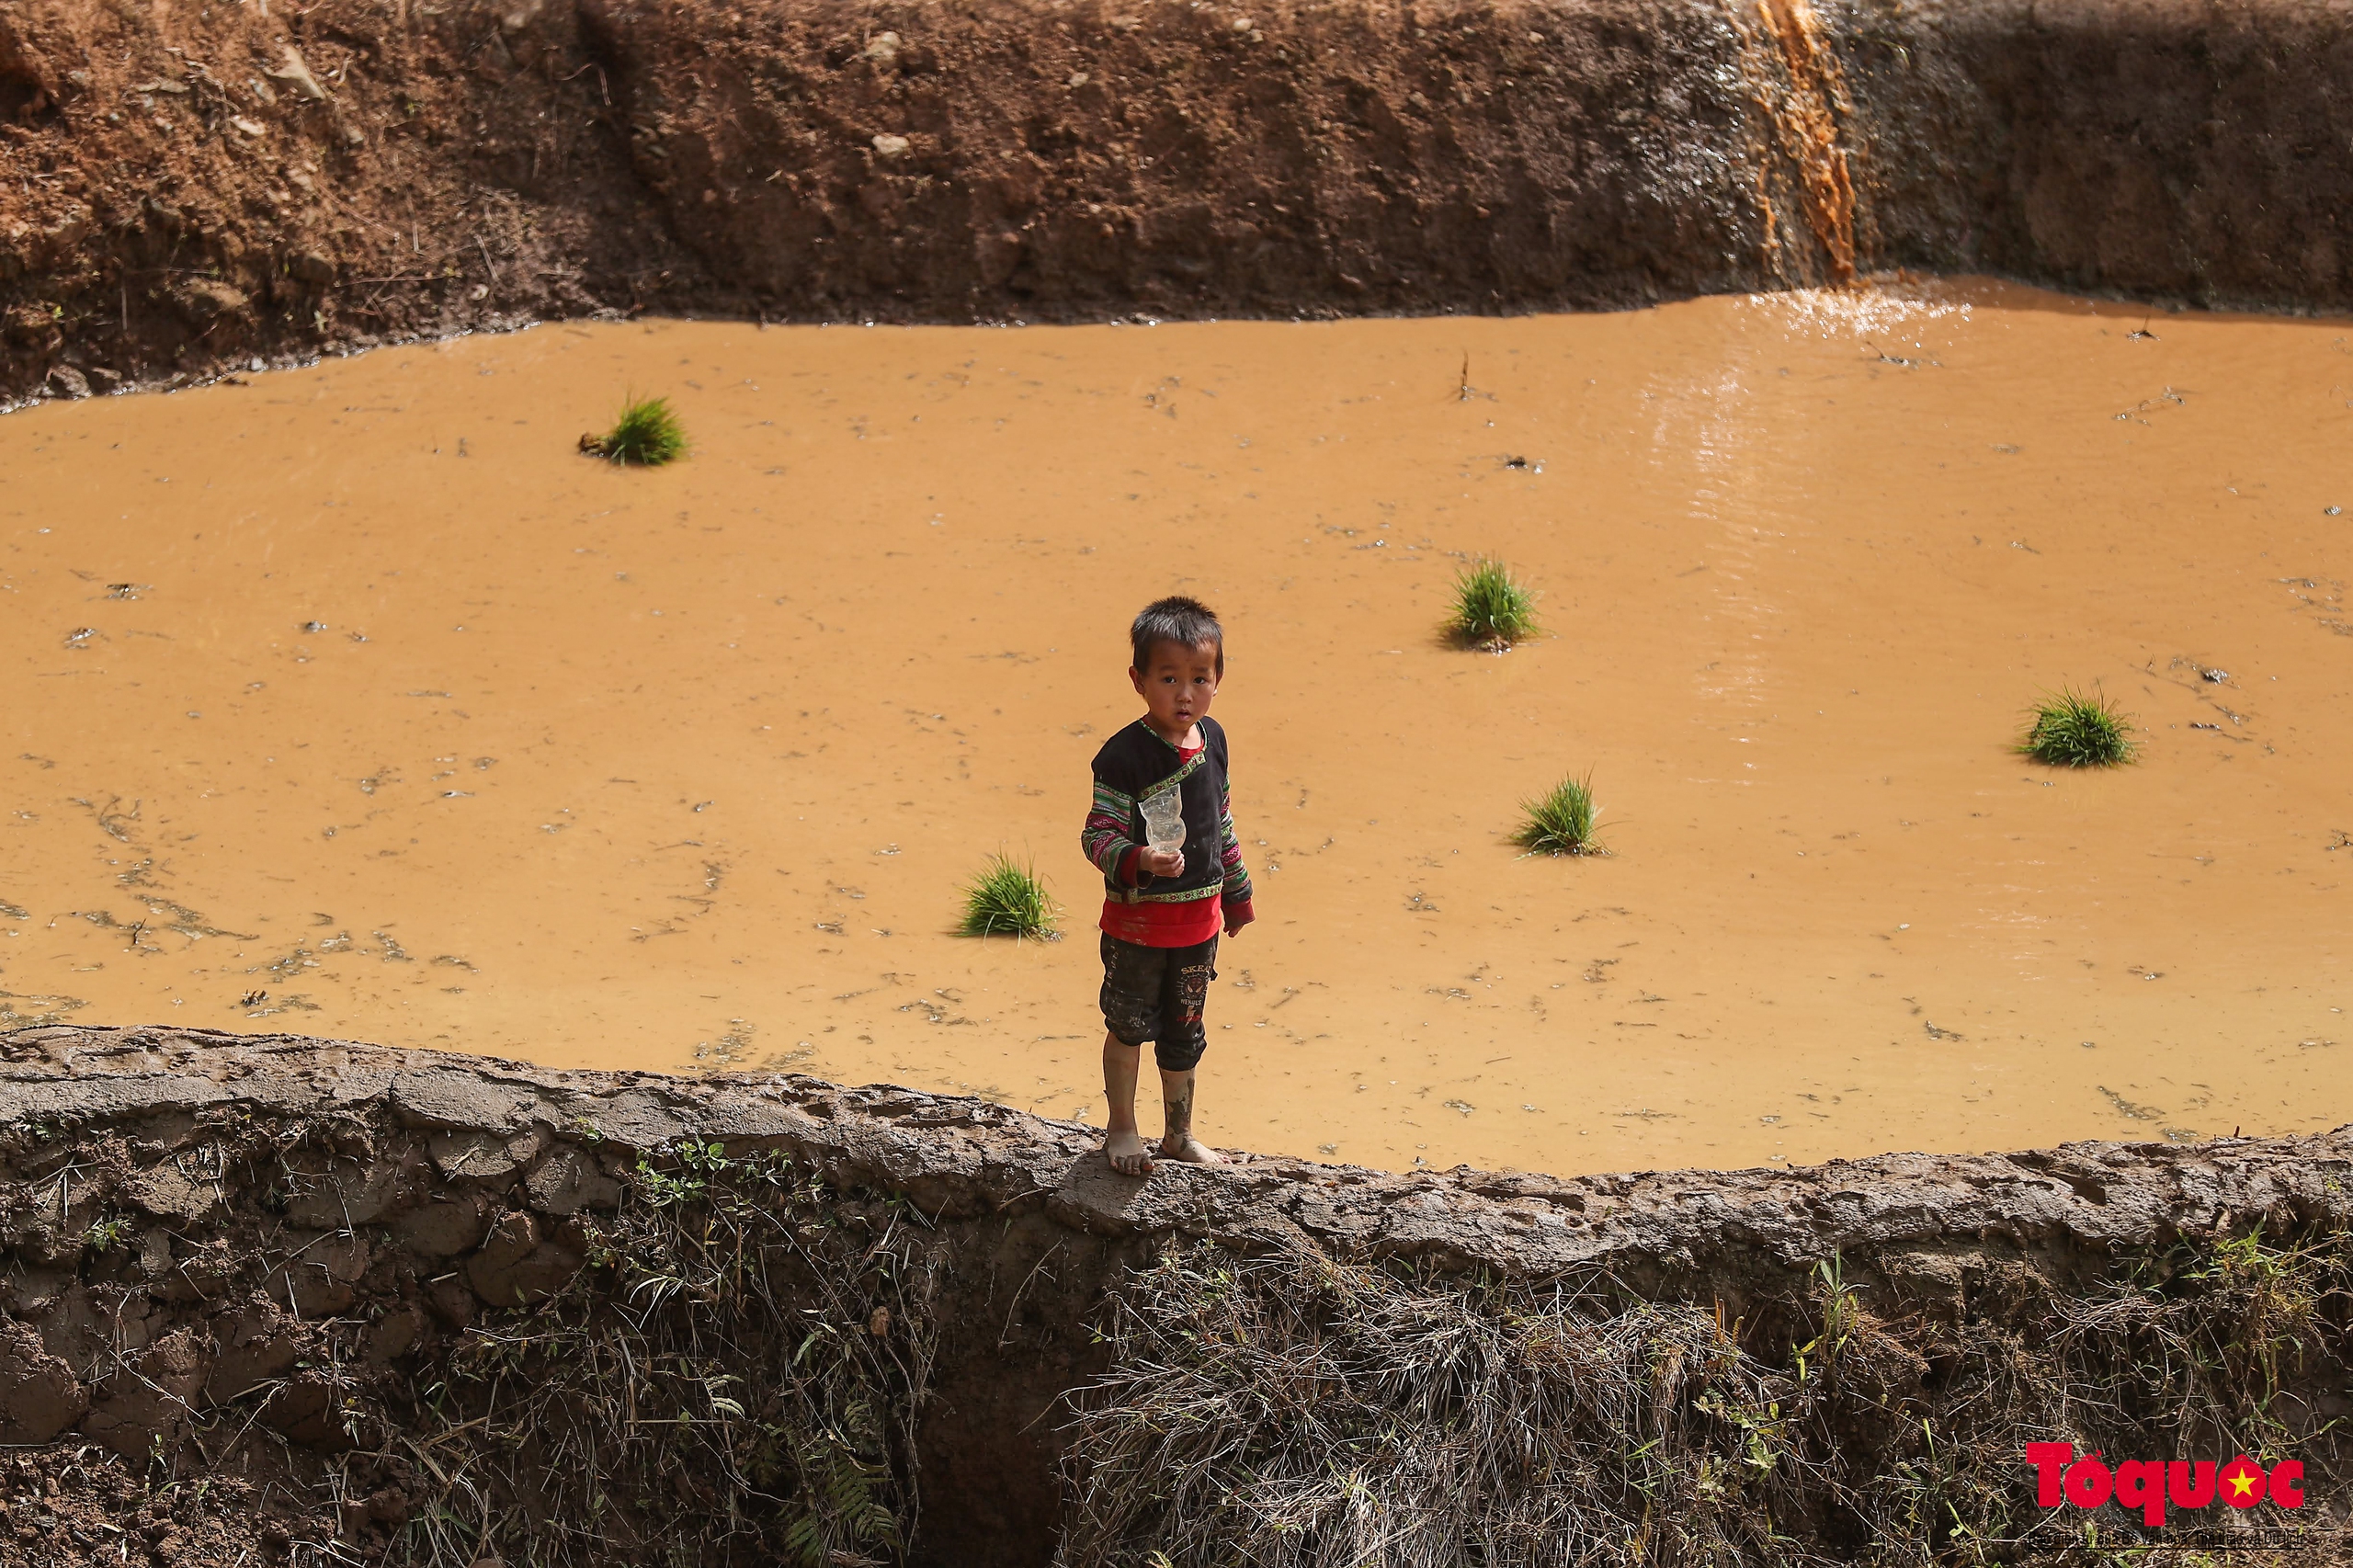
x=646 y=435
x=1008 y=899
x=854 y=1518
x=106 y=1234
x=1560 y=821
x=1492 y=610
x=1841 y=1313
x=2073 y=729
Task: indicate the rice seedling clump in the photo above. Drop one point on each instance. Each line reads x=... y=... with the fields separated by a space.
x=1492 y=610
x=1007 y=900
x=1561 y=820
x=2073 y=729
x=647 y=435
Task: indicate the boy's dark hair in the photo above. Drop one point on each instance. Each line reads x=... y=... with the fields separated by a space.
x=1185 y=621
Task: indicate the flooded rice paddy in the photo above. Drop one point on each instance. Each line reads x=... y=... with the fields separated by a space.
x=352 y=701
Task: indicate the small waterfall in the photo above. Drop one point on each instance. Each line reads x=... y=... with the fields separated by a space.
x=1799 y=85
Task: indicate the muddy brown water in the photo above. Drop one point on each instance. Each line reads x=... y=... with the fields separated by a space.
x=354 y=691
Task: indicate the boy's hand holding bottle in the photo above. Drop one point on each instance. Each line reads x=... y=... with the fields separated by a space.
x=1163 y=828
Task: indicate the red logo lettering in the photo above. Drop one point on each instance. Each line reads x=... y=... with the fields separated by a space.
x=2242 y=1482
x=2088 y=1482
x=2148 y=1487
x=2141 y=1484
x=2048 y=1459
x=2190 y=1485
x=2288 y=1484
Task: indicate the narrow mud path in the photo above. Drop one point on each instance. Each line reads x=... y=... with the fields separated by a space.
x=356 y=691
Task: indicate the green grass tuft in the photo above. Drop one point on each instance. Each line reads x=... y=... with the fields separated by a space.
x=1492 y=608
x=1561 y=820
x=1007 y=900
x=2072 y=730
x=646 y=436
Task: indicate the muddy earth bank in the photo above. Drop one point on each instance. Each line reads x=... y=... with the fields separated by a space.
x=195 y=187
x=320 y=1300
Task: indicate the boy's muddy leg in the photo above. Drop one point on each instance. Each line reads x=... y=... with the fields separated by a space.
x=1179 y=1048
x=1124 y=1146
x=1178 y=1142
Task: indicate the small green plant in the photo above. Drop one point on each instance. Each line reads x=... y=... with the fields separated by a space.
x=1008 y=899
x=703 y=1154
x=854 y=1516
x=1492 y=610
x=106 y=1234
x=1560 y=821
x=2075 y=730
x=646 y=435
x=1841 y=1311
x=699 y=1162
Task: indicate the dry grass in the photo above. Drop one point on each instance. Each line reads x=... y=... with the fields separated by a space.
x=1291 y=1412
x=1296 y=1413
x=735 y=1379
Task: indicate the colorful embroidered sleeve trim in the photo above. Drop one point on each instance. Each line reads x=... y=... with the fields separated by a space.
x=1186 y=895
x=1237 y=887
x=1105 y=837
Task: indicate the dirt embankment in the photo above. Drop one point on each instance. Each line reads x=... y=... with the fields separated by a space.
x=412 y=1308
x=193 y=185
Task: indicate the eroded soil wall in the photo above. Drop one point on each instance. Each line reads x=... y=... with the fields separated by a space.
x=189 y=186
x=373 y=1299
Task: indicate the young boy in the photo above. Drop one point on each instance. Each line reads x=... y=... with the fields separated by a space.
x=1162 y=909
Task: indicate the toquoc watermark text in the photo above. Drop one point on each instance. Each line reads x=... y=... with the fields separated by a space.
x=2150 y=1485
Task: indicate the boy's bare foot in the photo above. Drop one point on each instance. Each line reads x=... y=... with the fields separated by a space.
x=1128 y=1155
x=1190 y=1150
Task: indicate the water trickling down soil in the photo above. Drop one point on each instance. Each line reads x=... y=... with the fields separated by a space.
x=351 y=701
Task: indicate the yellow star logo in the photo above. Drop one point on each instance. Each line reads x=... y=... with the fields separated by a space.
x=2242 y=1483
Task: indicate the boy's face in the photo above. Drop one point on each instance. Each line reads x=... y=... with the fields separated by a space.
x=1178 y=686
